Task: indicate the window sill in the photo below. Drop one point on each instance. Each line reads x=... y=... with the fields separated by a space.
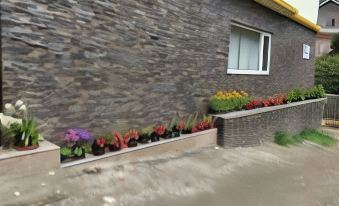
x=250 y=72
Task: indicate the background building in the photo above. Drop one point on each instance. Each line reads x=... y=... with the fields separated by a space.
x=328 y=19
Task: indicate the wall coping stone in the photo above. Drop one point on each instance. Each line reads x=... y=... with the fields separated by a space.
x=245 y=113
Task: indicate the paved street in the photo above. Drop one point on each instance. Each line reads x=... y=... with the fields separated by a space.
x=304 y=175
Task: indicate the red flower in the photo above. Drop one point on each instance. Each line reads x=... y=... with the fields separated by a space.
x=160 y=130
x=181 y=125
x=101 y=142
x=121 y=142
x=131 y=134
x=267 y=102
x=255 y=103
x=202 y=125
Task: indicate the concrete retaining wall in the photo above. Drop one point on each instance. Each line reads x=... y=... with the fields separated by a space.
x=253 y=127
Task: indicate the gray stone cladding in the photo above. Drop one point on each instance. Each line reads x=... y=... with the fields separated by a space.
x=121 y=64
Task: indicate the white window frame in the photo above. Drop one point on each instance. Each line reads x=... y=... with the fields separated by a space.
x=261 y=48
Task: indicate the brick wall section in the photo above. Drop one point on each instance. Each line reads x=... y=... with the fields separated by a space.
x=258 y=128
x=119 y=64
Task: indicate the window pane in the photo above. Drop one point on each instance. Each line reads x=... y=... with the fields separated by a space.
x=249 y=50
x=233 y=54
x=265 y=53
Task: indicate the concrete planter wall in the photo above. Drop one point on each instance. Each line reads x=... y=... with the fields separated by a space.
x=44 y=158
x=253 y=127
x=188 y=141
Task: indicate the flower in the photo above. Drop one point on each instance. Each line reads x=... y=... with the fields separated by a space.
x=101 y=142
x=23 y=108
x=9 y=109
x=83 y=134
x=160 y=130
x=19 y=103
x=71 y=135
x=6 y=121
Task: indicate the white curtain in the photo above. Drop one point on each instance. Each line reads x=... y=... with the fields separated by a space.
x=244 y=49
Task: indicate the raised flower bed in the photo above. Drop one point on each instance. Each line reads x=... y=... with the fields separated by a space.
x=186 y=141
x=22 y=146
x=260 y=119
x=80 y=147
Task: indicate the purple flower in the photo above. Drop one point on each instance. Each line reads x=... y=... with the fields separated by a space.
x=75 y=135
x=83 y=134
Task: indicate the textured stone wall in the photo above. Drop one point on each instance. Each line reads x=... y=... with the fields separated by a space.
x=255 y=129
x=126 y=63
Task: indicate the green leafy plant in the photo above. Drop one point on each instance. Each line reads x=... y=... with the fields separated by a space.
x=296 y=95
x=147 y=130
x=78 y=151
x=327 y=73
x=318 y=137
x=26 y=134
x=66 y=152
x=284 y=139
x=335 y=42
x=300 y=94
x=172 y=123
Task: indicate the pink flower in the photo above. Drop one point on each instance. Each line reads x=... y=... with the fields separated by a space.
x=71 y=136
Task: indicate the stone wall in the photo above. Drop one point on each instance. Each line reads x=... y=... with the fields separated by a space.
x=109 y=63
x=253 y=127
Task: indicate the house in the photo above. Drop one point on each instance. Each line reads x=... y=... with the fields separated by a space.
x=123 y=64
x=328 y=19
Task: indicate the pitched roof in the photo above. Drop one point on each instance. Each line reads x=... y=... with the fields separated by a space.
x=323 y=2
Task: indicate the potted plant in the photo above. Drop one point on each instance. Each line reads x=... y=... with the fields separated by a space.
x=158 y=132
x=131 y=137
x=206 y=123
x=189 y=124
x=65 y=153
x=98 y=146
x=117 y=142
x=177 y=129
x=145 y=135
x=26 y=135
x=78 y=140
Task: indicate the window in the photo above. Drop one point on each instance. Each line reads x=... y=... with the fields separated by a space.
x=249 y=51
x=333 y=22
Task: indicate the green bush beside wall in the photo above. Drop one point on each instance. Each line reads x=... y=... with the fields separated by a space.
x=327 y=73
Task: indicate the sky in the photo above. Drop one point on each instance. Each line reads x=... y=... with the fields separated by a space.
x=307 y=8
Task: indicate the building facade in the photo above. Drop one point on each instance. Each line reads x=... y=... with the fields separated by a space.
x=105 y=64
x=328 y=19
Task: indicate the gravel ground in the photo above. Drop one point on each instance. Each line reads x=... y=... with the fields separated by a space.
x=271 y=175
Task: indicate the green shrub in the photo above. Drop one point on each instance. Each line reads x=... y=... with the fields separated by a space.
x=300 y=94
x=327 y=73
x=335 y=42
